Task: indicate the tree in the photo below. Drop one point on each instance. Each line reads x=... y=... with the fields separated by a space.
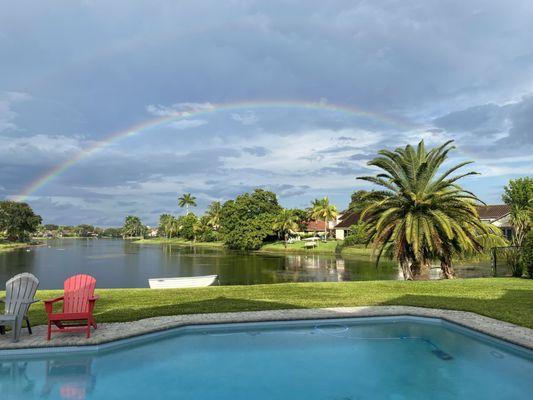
x=112 y=232
x=18 y=221
x=168 y=226
x=324 y=211
x=213 y=214
x=247 y=221
x=302 y=218
x=423 y=215
x=186 y=225
x=203 y=230
x=285 y=223
x=518 y=195
x=133 y=226
x=361 y=199
x=187 y=200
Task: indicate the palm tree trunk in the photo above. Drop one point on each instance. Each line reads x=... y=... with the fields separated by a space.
x=406 y=270
x=326 y=230
x=447 y=268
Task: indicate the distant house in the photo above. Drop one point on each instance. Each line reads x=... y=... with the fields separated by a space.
x=345 y=221
x=315 y=226
x=318 y=226
x=499 y=215
x=152 y=232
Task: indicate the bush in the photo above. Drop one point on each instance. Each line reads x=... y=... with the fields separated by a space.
x=527 y=256
x=357 y=235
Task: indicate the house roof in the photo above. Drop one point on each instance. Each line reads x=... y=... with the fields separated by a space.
x=315 y=226
x=492 y=212
x=347 y=220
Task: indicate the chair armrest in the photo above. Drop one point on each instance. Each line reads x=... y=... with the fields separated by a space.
x=30 y=301
x=94 y=298
x=49 y=304
x=54 y=300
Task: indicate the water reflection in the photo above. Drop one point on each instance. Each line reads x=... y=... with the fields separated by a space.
x=69 y=378
x=14 y=381
x=118 y=263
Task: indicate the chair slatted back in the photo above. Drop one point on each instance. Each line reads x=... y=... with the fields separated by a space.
x=21 y=287
x=78 y=290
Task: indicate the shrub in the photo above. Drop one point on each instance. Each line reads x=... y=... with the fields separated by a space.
x=527 y=256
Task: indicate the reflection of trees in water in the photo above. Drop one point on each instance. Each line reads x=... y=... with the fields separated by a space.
x=14 y=381
x=72 y=376
x=318 y=268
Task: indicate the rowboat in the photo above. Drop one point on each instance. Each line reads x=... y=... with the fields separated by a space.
x=182 y=282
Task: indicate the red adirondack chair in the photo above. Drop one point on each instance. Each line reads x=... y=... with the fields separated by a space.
x=78 y=304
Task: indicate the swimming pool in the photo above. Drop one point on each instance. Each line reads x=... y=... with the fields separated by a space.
x=358 y=358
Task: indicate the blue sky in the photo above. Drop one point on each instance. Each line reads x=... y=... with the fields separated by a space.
x=74 y=72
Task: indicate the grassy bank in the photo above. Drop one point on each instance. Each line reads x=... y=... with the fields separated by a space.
x=507 y=299
x=179 y=242
x=8 y=246
x=328 y=247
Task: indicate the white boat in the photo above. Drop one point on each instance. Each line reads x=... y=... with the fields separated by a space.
x=182 y=282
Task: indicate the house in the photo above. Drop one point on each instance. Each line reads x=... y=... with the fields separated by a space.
x=499 y=215
x=345 y=221
x=319 y=225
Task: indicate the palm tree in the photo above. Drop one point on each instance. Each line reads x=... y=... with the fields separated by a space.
x=213 y=213
x=423 y=215
x=133 y=227
x=285 y=223
x=187 y=200
x=323 y=210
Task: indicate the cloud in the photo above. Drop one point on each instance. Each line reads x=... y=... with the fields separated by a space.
x=7 y=114
x=248 y=118
x=188 y=123
x=178 y=109
x=257 y=151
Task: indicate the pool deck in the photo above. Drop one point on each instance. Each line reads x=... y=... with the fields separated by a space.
x=109 y=332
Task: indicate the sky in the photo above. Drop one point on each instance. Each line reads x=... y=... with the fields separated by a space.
x=110 y=108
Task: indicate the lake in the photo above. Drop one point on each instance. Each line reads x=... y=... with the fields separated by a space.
x=122 y=263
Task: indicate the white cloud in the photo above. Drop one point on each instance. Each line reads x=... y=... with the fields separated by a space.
x=248 y=118
x=188 y=123
x=183 y=109
x=36 y=149
x=7 y=115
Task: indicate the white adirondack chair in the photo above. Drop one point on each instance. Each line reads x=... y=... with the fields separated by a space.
x=20 y=292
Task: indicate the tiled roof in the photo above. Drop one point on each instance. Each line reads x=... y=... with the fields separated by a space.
x=493 y=211
x=349 y=219
x=315 y=226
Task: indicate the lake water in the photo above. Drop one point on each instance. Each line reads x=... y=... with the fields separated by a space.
x=120 y=263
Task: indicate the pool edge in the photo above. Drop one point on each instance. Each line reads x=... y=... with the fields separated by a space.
x=115 y=332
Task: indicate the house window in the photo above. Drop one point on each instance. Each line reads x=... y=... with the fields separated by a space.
x=508 y=233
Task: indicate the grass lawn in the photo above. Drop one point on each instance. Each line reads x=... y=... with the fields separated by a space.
x=178 y=241
x=322 y=248
x=6 y=246
x=507 y=299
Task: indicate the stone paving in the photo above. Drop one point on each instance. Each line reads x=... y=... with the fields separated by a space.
x=109 y=332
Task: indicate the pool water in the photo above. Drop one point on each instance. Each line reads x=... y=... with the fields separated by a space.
x=371 y=358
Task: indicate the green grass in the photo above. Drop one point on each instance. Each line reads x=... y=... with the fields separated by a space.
x=322 y=248
x=506 y=299
x=179 y=242
x=7 y=246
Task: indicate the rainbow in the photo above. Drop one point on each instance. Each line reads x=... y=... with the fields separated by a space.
x=209 y=108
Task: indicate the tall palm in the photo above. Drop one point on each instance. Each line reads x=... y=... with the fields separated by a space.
x=423 y=215
x=213 y=213
x=285 y=223
x=187 y=200
x=323 y=210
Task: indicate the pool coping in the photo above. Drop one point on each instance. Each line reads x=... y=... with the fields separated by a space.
x=111 y=332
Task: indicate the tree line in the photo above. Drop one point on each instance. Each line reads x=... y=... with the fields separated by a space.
x=418 y=215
